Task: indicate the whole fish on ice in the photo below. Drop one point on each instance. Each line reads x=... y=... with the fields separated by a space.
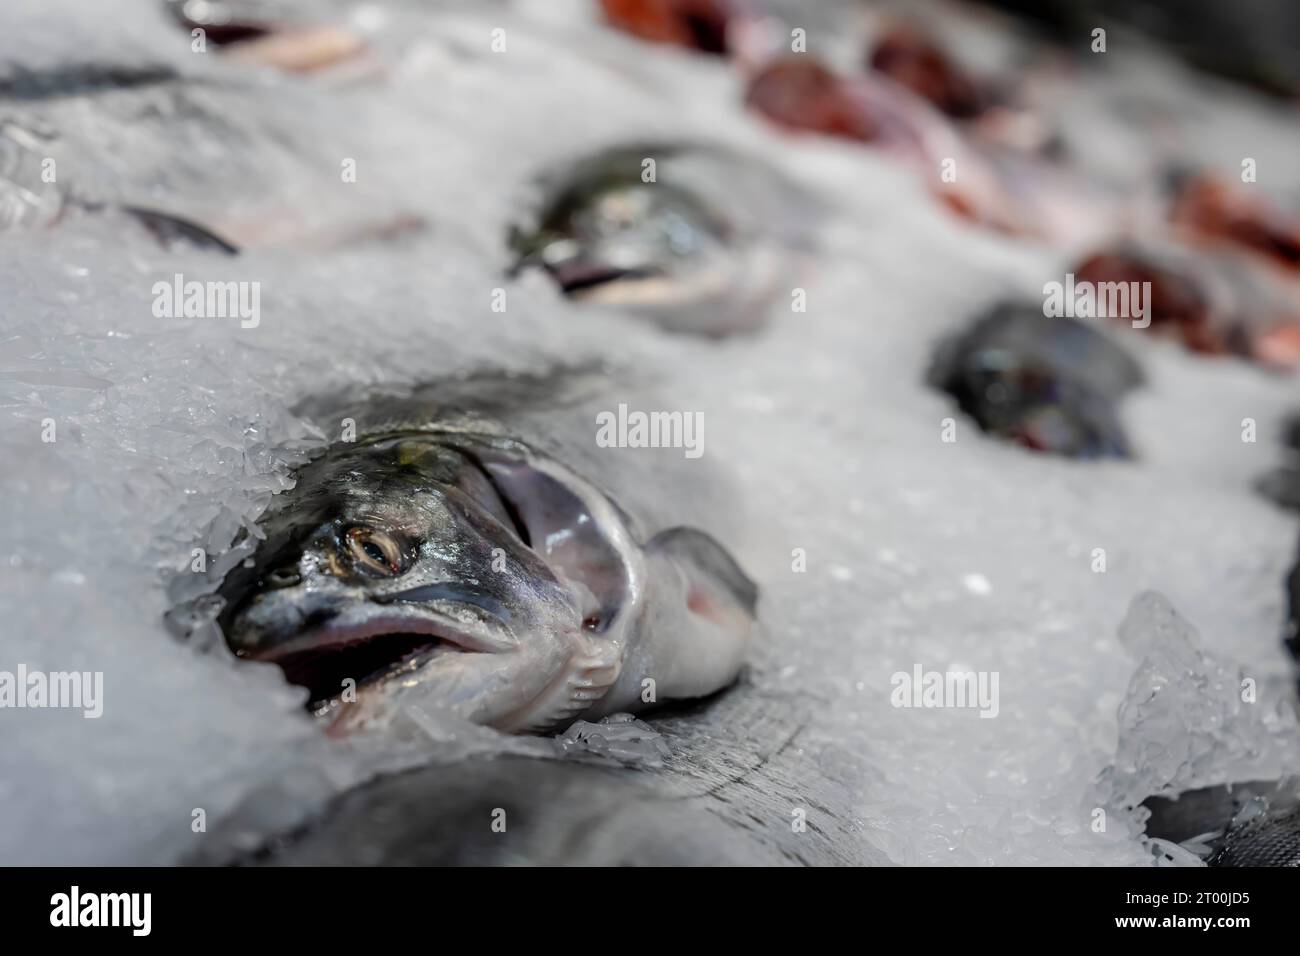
x=440 y=559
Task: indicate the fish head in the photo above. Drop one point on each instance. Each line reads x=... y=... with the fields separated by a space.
x=700 y=244
x=1050 y=383
x=401 y=564
x=621 y=241
x=1033 y=404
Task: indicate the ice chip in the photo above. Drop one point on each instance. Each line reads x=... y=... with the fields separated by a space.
x=1152 y=622
x=619 y=737
x=1190 y=718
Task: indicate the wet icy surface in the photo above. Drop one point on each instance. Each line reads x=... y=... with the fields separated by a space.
x=620 y=738
x=972 y=555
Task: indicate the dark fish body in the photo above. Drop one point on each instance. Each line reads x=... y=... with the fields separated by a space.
x=1049 y=383
x=1273 y=840
x=743 y=767
x=556 y=814
x=1244 y=824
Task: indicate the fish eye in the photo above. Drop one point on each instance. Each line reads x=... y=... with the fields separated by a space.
x=374 y=551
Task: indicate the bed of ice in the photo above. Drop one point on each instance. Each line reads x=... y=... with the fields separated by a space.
x=172 y=433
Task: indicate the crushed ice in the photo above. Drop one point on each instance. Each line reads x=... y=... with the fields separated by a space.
x=174 y=436
x=620 y=737
x=1193 y=719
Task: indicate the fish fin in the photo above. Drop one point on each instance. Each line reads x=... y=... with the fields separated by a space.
x=699 y=614
x=717 y=589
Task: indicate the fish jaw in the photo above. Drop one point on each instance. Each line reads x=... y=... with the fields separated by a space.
x=443 y=656
x=365 y=643
x=464 y=637
x=539 y=685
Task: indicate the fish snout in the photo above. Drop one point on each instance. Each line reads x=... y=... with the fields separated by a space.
x=274 y=617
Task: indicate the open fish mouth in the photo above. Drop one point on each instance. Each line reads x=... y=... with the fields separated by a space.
x=370 y=653
x=578 y=278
